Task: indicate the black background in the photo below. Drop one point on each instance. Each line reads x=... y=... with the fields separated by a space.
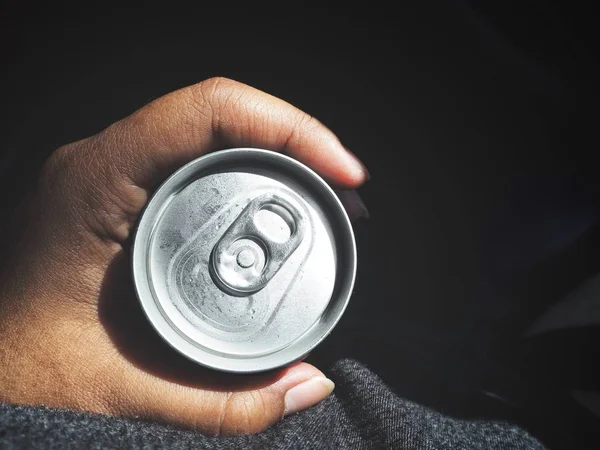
x=450 y=105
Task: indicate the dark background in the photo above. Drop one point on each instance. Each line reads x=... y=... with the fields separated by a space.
x=476 y=123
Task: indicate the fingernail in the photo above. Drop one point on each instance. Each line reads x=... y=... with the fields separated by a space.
x=354 y=205
x=307 y=394
x=360 y=165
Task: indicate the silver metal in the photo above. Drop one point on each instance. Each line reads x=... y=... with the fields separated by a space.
x=244 y=260
x=238 y=279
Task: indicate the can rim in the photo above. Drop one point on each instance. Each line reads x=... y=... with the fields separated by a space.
x=161 y=323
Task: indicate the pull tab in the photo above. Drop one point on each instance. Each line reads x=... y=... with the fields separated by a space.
x=257 y=243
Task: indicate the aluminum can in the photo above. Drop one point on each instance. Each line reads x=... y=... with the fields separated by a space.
x=244 y=260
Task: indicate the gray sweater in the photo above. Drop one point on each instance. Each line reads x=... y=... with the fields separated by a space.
x=363 y=413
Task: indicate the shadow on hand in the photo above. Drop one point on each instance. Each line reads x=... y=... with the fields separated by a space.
x=124 y=321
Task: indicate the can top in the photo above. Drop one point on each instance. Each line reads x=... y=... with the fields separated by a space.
x=244 y=260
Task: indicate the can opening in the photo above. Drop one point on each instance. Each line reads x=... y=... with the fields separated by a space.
x=276 y=222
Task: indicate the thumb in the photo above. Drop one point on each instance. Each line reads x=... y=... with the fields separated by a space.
x=227 y=406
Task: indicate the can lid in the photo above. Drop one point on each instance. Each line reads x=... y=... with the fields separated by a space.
x=244 y=260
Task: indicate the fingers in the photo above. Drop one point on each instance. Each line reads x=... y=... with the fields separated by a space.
x=220 y=113
x=101 y=184
x=353 y=204
x=222 y=412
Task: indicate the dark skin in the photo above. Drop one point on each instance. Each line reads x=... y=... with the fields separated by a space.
x=73 y=334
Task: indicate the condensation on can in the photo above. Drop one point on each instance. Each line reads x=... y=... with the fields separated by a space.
x=244 y=260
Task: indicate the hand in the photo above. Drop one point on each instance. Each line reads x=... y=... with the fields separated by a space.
x=73 y=334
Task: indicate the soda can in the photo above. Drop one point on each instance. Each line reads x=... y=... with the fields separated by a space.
x=244 y=260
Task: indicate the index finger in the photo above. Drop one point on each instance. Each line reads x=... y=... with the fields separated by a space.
x=219 y=113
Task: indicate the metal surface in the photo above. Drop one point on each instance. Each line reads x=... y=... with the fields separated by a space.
x=244 y=260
